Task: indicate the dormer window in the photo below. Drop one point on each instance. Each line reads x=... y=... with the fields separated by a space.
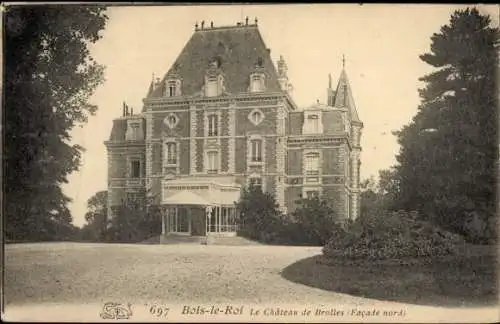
x=214 y=85
x=134 y=130
x=312 y=122
x=173 y=88
x=257 y=82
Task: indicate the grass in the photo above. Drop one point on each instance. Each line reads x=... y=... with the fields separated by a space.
x=468 y=279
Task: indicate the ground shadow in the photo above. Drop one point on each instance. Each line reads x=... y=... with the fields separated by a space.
x=466 y=281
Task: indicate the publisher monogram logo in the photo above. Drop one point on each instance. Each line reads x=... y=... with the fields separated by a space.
x=112 y=310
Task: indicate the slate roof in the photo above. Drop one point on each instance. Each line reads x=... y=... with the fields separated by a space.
x=237 y=47
x=343 y=96
x=119 y=129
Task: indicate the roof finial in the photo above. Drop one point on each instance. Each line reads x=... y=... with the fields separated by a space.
x=211 y=24
x=202 y=24
x=343 y=61
x=196 y=26
x=246 y=20
x=256 y=20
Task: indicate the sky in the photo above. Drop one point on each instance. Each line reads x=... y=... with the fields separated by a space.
x=381 y=44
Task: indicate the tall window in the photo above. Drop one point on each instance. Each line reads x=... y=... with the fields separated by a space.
x=212 y=162
x=135 y=167
x=213 y=124
x=171 y=153
x=256 y=155
x=312 y=163
x=313 y=123
x=256 y=182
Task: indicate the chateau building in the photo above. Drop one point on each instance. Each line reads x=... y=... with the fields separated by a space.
x=222 y=118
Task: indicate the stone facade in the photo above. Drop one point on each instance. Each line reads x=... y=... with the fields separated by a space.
x=244 y=127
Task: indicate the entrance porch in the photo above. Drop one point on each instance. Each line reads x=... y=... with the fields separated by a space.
x=199 y=208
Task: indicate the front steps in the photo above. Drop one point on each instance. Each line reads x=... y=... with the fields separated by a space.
x=205 y=240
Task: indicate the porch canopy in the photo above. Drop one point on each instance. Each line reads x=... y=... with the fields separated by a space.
x=185 y=197
x=200 y=191
x=216 y=195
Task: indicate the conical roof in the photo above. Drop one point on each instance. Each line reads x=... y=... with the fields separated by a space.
x=344 y=98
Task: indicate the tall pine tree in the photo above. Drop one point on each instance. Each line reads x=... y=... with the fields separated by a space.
x=49 y=77
x=449 y=152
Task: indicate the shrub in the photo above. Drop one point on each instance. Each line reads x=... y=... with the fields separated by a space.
x=391 y=235
x=314 y=222
x=260 y=218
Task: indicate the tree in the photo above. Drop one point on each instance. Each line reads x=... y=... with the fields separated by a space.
x=259 y=214
x=135 y=220
x=96 y=217
x=317 y=221
x=379 y=195
x=49 y=77
x=448 y=159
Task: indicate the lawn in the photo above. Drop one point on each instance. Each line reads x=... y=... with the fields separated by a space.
x=466 y=280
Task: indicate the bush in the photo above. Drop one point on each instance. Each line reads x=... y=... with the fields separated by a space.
x=260 y=218
x=391 y=236
x=314 y=222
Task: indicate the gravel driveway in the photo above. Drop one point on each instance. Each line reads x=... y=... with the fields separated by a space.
x=70 y=282
x=76 y=272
